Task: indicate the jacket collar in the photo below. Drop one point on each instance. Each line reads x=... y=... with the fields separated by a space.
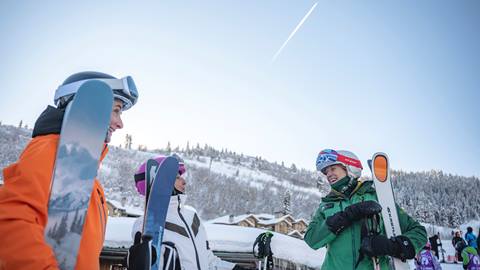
x=49 y=122
x=176 y=199
x=362 y=187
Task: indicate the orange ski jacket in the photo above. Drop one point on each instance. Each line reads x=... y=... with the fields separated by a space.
x=24 y=212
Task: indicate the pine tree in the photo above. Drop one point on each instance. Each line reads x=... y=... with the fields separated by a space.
x=287 y=203
x=169 y=148
x=20 y=124
x=73 y=226
x=187 y=149
x=62 y=228
x=293 y=168
x=128 y=141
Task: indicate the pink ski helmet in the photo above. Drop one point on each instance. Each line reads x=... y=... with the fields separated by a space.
x=140 y=173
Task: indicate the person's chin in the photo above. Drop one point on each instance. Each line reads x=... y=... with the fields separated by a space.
x=333 y=181
x=108 y=138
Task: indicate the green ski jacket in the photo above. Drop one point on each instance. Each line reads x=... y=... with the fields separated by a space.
x=343 y=249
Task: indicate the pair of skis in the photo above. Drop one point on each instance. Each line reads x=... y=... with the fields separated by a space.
x=380 y=167
x=159 y=181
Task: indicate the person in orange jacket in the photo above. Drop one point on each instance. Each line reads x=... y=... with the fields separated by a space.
x=25 y=194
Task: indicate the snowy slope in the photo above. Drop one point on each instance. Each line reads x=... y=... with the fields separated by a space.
x=222 y=183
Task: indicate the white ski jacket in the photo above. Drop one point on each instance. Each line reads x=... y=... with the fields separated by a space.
x=184 y=244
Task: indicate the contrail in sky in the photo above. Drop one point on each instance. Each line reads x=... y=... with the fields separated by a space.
x=293 y=32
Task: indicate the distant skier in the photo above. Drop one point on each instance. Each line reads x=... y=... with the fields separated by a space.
x=471 y=238
x=185 y=244
x=425 y=260
x=458 y=243
x=478 y=241
x=343 y=220
x=434 y=242
x=25 y=194
x=470 y=258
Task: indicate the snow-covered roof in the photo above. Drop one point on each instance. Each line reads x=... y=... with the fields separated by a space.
x=236 y=219
x=262 y=219
x=295 y=232
x=127 y=208
x=300 y=220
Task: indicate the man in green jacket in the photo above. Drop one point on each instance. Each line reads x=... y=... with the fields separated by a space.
x=348 y=220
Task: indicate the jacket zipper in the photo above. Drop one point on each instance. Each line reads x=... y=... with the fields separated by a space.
x=354 y=261
x=190 y=233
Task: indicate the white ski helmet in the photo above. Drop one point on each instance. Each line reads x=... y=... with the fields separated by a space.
x=123 y=89
x=347 y=159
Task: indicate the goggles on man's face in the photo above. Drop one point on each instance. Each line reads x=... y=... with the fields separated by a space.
x=123 y=89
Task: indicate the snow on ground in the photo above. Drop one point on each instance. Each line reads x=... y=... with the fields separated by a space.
x=227 y=238
x=240 y=239
x=118 y=232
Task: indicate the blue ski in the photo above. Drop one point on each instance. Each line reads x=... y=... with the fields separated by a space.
x=157 y=205
x=150 y=173
x=82 y=137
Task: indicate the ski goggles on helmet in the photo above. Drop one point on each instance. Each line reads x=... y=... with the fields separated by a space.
x=123 y=89
x=329 y=157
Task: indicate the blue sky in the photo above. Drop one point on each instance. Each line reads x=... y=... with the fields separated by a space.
x=397 y=76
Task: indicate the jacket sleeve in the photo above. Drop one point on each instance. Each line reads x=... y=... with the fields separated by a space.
x=24 y=208
x=465 y=257
x=412 y=229
x=318 y=235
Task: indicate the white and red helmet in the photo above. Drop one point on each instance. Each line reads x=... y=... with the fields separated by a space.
x=347 y=159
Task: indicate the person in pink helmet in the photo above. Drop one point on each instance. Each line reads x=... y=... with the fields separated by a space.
x=140 y=182
x=185 y=244
x=426 y=260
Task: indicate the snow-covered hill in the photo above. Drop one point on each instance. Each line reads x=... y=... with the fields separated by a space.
x=222 y=182
x=218 y=186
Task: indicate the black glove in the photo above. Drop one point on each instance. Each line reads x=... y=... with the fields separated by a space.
x=138 y=253
x=341 y=220
x=379 y=245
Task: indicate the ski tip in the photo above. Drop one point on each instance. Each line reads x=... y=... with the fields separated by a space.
x=379 y=166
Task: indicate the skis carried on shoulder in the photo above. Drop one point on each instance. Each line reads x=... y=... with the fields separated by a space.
x=151 y=170
x=158 y=200
x=380 y=167
x=81 y=142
